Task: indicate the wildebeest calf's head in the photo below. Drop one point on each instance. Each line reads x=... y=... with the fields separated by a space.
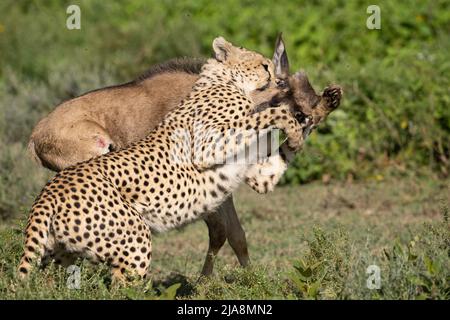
x=297 y=91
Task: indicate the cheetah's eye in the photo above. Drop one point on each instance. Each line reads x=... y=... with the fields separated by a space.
x=264 y=87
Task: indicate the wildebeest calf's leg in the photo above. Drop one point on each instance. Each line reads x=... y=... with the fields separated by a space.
x=217 y=229
x=235 y=233
x=222 y=225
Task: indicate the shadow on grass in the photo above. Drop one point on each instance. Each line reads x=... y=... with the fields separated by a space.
x=186 y=289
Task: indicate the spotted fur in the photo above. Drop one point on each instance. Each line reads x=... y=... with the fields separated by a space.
x=106 y=208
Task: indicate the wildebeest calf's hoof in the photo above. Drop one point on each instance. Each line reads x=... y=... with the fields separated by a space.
x=332 y=96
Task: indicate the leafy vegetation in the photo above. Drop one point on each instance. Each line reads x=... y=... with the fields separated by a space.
x=409 y=272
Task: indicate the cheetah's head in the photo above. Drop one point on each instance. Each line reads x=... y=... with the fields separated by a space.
x=249 y=70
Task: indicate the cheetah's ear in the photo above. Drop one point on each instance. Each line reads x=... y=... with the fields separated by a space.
x=222 y=49
x=280 y=58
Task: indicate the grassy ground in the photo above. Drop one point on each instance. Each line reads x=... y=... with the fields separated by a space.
x=311 y=241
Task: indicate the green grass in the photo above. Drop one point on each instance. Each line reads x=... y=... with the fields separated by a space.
x=307 y=242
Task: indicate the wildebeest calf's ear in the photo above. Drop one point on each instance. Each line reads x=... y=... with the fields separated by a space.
x=280 y=59
x=304 y=95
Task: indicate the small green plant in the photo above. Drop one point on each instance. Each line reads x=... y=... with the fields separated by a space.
x=422 y=276
x=322 y=273
x=418 y=268
x=307 y=279
x=430 y=285
x=147 y=292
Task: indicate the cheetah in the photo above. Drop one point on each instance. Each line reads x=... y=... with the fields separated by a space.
x=105 y=209
x=110 y=118
x=98 y=124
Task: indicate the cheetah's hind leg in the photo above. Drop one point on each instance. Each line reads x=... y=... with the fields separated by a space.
x=60 y=256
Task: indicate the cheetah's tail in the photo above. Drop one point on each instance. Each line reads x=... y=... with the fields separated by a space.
x=36 y=238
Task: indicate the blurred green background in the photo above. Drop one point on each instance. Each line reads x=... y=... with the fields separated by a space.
x=394 y=119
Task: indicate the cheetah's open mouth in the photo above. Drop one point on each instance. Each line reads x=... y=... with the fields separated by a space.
x=306 y=122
